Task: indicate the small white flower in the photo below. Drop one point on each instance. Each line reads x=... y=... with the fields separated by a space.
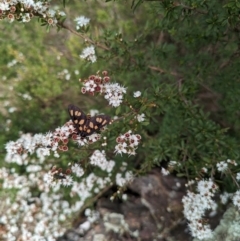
x=51 y=13
x=222 y=166
x=90 y=86
x=121 y=148
x=68 y=181
x=4 y=6
x=141 y=117
x=238 y=176
x=224 y=197
x=206 y=187
x=113 y=92
x=165 y=172
x=124 y=197
x=137 y=94
x=204 y=169
x=12 y=109
x=121 y=181
x=48 y=178
x=61 y=13
x=98 y=158
x=236 y=199
x=77 y=170
x=81 y=21
x=89 y=54
x=26 y=18
x=115 y=100
x=233 y=162
x=133 y=140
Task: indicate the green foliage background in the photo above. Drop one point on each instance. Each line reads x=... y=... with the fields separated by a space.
x=183 y=56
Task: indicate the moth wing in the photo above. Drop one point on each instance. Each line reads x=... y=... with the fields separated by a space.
x=101 y=120
x=78 y=117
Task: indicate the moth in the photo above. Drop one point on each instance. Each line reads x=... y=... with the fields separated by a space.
x=85 y=124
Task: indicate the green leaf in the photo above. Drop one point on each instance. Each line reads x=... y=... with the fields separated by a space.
x=145 y=123
x=134 y=6
x=118 y=110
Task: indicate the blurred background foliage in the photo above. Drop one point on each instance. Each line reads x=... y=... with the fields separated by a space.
x=182 y=55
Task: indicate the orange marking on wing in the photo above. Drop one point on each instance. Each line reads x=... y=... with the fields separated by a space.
x=81 y=122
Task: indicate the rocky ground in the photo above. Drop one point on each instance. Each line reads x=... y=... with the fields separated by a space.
x=152 y=212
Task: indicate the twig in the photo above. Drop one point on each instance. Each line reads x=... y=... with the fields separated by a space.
x=87 y=39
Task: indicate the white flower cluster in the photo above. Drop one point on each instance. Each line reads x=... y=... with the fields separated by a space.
x=17 y=151
x=112 y=92
x=98 y=158
x=92 y=217
x=223 y=165
x=55 y=179
x=87 y=140
x=25 y=96
x=77 y=170
x=116 y=223
x=44 y=144
x=195 y=206
x=40 y=218
x=127 y=143
x=123 y=180
x=89 y=185
x=28 y=8
x=64 y=74
x=89 y=54
x=81 y=22
x=31 y=217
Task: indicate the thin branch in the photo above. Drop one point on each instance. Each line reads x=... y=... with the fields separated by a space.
x=87 y=39
x=162 y=71
x=226 y=63
x=191 y=8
